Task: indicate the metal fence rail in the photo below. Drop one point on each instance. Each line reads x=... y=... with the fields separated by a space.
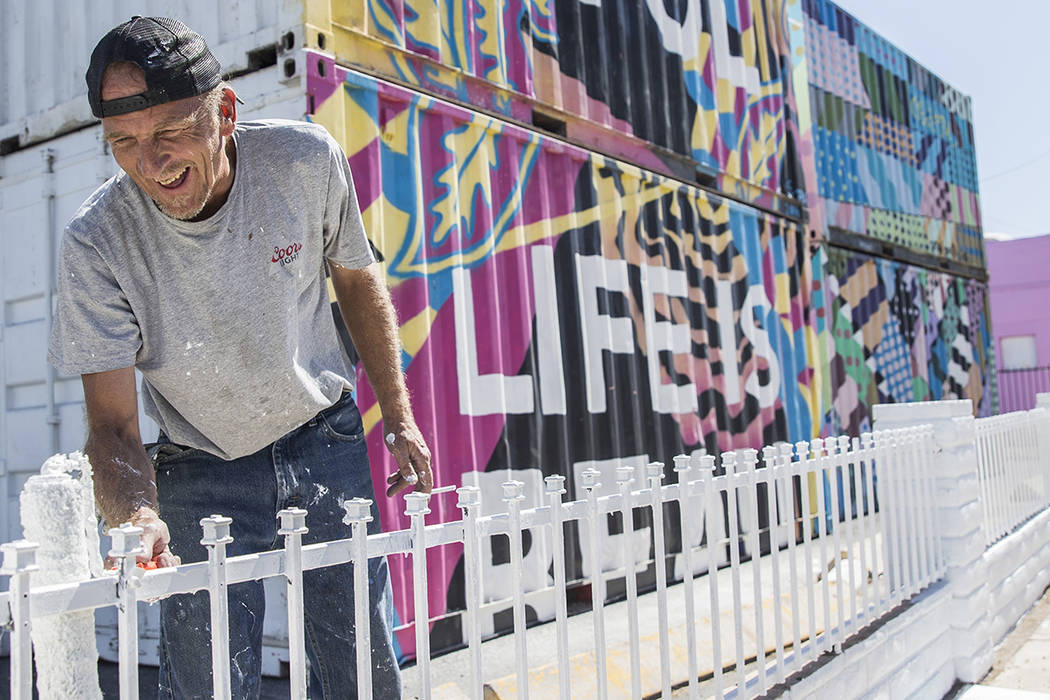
x=851 y=533
x=1013 y=466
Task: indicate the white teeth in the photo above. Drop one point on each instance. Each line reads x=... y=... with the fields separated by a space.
x=173 y=178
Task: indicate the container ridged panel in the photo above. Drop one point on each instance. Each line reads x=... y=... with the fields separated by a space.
x=903 y=333
x=673 y=87
x=561 y=309
x=893 y=144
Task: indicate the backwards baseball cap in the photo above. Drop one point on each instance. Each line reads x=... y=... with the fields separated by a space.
x=175 y=59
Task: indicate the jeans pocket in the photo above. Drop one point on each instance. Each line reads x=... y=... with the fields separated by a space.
x=166 y=455
x=342 y=422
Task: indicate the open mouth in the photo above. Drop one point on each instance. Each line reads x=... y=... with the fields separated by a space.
x=176 y=181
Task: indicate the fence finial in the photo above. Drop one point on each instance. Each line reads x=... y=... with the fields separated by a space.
x=216 y=530
x=513 y=490
x=655 y=470
x=293 y=522
x=469 y=496
x=554 y=484
x=126 y=541
x=748 y=458
x=358 y=510
x=589 y=478
x=19 y=557
x=417 y=503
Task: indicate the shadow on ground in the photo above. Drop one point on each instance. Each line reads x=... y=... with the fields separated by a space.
x=109 y=680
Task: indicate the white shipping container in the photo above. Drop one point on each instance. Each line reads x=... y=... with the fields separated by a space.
x=45 y=46
x=42 y=413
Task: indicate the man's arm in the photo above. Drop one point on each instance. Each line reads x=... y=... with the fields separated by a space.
x=364 y=303
x=125 y=483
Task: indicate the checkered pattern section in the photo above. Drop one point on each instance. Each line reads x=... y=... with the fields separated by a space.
x=888 y=137
x=905 y=304
x=849 y=350
x=961 y=358
x=893 y=370
x=903 y=229
x=936 y=197
x=951 y=316
x=837 y=167
x=971 y=244
x=834 y=64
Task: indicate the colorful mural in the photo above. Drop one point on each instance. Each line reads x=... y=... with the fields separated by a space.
x=679 y=88
x=561 y=310
x=892 y=144
x=904 y=333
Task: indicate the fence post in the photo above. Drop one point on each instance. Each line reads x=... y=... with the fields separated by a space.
x=470 y=503
x=216 y=536
x=358 y=515
x=19 y=563
x=958 y=513
x=127 y=542
x=1042 y=421
x=293 y=527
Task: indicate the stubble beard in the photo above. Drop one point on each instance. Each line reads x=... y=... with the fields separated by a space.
x=182 y=213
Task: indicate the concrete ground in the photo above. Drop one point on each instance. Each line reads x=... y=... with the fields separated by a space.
x=1021 y=668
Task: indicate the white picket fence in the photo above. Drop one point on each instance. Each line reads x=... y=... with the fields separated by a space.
x=853 y=536
x=1013 y=467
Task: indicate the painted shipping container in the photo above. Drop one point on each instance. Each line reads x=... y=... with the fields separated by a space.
x=705 y=90
x=562 y=310
x=892 y=143
x=774 y=102
x=904 y=333
x=680 y=88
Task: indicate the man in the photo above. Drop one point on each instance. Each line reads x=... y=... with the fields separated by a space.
x=202 y=264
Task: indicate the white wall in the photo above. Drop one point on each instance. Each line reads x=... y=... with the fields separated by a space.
x=45 y=46
x=908 y=656
x=947 y=633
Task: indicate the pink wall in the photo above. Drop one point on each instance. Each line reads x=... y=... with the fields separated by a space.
x=1019 y=272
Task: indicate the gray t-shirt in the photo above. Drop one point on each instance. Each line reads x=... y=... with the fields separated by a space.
x=228 y=319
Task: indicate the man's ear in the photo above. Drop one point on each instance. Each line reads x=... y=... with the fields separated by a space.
x=228 y=110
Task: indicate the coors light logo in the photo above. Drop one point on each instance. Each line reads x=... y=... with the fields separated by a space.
x=286 y=255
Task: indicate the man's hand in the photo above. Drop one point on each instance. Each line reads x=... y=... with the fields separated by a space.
x=155 y=538
x=406 y=443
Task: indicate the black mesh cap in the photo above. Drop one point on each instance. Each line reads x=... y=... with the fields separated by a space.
x=175 y=59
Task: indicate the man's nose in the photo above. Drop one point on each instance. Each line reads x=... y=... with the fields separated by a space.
x=152 y=159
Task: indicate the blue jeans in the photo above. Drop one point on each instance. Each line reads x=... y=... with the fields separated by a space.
x=316 y=466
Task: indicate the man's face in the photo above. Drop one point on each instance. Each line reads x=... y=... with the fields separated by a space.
x=175 y=152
